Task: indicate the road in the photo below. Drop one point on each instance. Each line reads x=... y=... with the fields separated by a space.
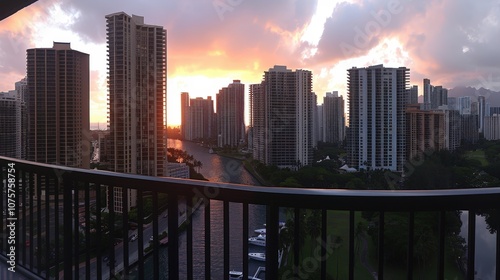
x=132 y=250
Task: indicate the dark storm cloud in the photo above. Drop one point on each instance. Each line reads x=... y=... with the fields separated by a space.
x=355 y=28
x=445 y=39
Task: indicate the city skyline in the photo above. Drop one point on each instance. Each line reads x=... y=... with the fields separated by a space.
x=214 y=42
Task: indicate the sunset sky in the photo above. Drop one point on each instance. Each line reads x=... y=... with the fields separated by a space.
x=212 y=42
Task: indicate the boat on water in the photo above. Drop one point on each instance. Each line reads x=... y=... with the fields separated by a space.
x=260 y=231
x=233 y=274
x=257 y=256
x=238 y=275
x=259 y=240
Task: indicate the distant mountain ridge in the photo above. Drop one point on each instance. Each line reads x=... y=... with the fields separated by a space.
x=493 y=97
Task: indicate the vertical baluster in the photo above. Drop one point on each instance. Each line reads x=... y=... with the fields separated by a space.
x=87 y=230
x=296 y=242
x=111 y=229
x=245 y=240
x=125 y=236
x=381 y=245
x=442 y=225
x=173 y=236
x=57 y=185
x=140 y=233
x=471 y=245
x=207 y=240
x=189 y=237
x=226 y=238
x=76 y=224
x=272 y=220
x=68 y=230
x=99 y=245
x=351 y=245
x=411 y=237
x=156 y=241
x=31 y=194
x=324 y=243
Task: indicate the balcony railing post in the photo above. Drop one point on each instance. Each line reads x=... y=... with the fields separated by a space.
x=498 y=244
x=173 y=236
x=68 y=229
x=272 y=239
x=471 y=245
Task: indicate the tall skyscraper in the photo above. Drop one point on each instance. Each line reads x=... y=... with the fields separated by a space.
x=184 y=115
x=452 y=103
x=58 y=106
x=137 y=90
x=376 y=136
x=439 y=97
x=13 y=120
x=201 y=120
x=286 y=131
x=482 y=112
x=319 y=123
x=464 y=105
x=492 y=127
x=258 y=121
x=412 y=95
x=333 y=118
x=434 y=96
x=231 y=115
x=425 y=130
x=427 y=94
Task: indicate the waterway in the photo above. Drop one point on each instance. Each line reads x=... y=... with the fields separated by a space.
x=216 y=169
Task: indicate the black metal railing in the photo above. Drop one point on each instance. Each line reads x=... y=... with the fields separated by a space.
x=62 y=232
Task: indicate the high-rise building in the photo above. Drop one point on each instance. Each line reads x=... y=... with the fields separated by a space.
x=452 y=103
x=258 y=121
x=482 y=112
x=283 y=129
x=453 y=128
x=185 y=115
x=494 y=110
x=464 y=105
x=425 y=131
x=412 y=95
x=333 y=118
x=137 y=90
x=319 y=123
x=201 y=120
x=427 y=94
x=439 y=97
x=376 y=136
x=231 y=115
x=492 y=127
x=434 y=96
x=13 y=120
x=58 y=106
x=469 y=128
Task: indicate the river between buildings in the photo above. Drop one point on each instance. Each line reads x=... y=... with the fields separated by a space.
x=216 y=169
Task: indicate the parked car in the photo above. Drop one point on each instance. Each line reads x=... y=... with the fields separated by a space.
x=133 y=237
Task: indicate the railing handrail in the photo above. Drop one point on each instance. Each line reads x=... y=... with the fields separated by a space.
x=338 y=199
